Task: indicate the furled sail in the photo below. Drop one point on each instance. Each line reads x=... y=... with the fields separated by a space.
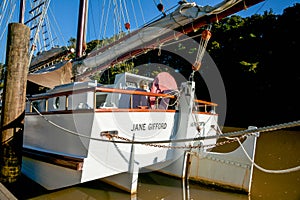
x=186 y=13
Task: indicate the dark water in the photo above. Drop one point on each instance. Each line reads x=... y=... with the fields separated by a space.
x=275 y=150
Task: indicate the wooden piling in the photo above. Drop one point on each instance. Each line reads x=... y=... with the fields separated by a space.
x=13 y=108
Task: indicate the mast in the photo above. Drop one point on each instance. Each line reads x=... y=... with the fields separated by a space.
x=81 y=29
x=22 y=11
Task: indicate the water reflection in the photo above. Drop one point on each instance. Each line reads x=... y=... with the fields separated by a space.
x=151 y=186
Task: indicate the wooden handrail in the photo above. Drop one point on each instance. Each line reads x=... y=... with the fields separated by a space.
x=205 y=102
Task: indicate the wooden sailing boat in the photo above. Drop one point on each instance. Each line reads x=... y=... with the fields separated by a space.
x=81 y=131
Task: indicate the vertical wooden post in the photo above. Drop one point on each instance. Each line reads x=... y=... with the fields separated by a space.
x=14 y=94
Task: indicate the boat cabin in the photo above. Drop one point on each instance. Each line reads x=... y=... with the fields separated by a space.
x=130 y=92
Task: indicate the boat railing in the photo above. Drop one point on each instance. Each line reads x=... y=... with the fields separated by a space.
x=62 y=101
x=205 y=106
x=97 y=99
x=134 y=98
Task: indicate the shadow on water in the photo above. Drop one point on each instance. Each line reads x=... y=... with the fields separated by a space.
x=276 y=150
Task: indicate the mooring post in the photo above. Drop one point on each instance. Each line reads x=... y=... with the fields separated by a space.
x=13 y=109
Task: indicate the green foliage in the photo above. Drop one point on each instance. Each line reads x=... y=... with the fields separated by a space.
x=251 y=67
x=92 y=45
x=72 y=44
x=258 y=61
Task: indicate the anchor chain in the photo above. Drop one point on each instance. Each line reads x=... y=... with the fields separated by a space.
x=110 y=136
x=124 y=140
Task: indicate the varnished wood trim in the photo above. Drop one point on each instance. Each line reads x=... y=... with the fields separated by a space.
x=205 y=102
x=133 y=110
x=136 y=92
x=55 y=159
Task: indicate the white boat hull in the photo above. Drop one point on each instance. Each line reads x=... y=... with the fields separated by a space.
x=102 y=159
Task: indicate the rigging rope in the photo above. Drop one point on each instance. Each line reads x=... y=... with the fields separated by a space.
x=205 y=36
x=39 y=25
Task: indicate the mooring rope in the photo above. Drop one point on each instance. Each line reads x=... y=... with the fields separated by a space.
x=224 y=135
x=282 y=171
x=247 y=132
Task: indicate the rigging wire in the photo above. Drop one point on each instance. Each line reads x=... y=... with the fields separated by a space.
x=6 y=15
x=38 y=26
x=117 y=18
x=126 y=11
x=102 y=18
x=93 y=20
x=106 y=20
x=4 y=8
x=134 y=14
x=142 y=12
x=49 y=32
x=122 y=15
x=262 y=5
x=59 y=30
x=8 y=19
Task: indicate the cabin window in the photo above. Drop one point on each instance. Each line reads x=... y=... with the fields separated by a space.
x=35 y=104
x=100 y=99
x=56 y=103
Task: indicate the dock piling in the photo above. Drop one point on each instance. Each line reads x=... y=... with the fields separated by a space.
x=14 y=96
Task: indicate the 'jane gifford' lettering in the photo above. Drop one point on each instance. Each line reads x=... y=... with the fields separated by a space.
x=139 y=127
x=150 y=126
